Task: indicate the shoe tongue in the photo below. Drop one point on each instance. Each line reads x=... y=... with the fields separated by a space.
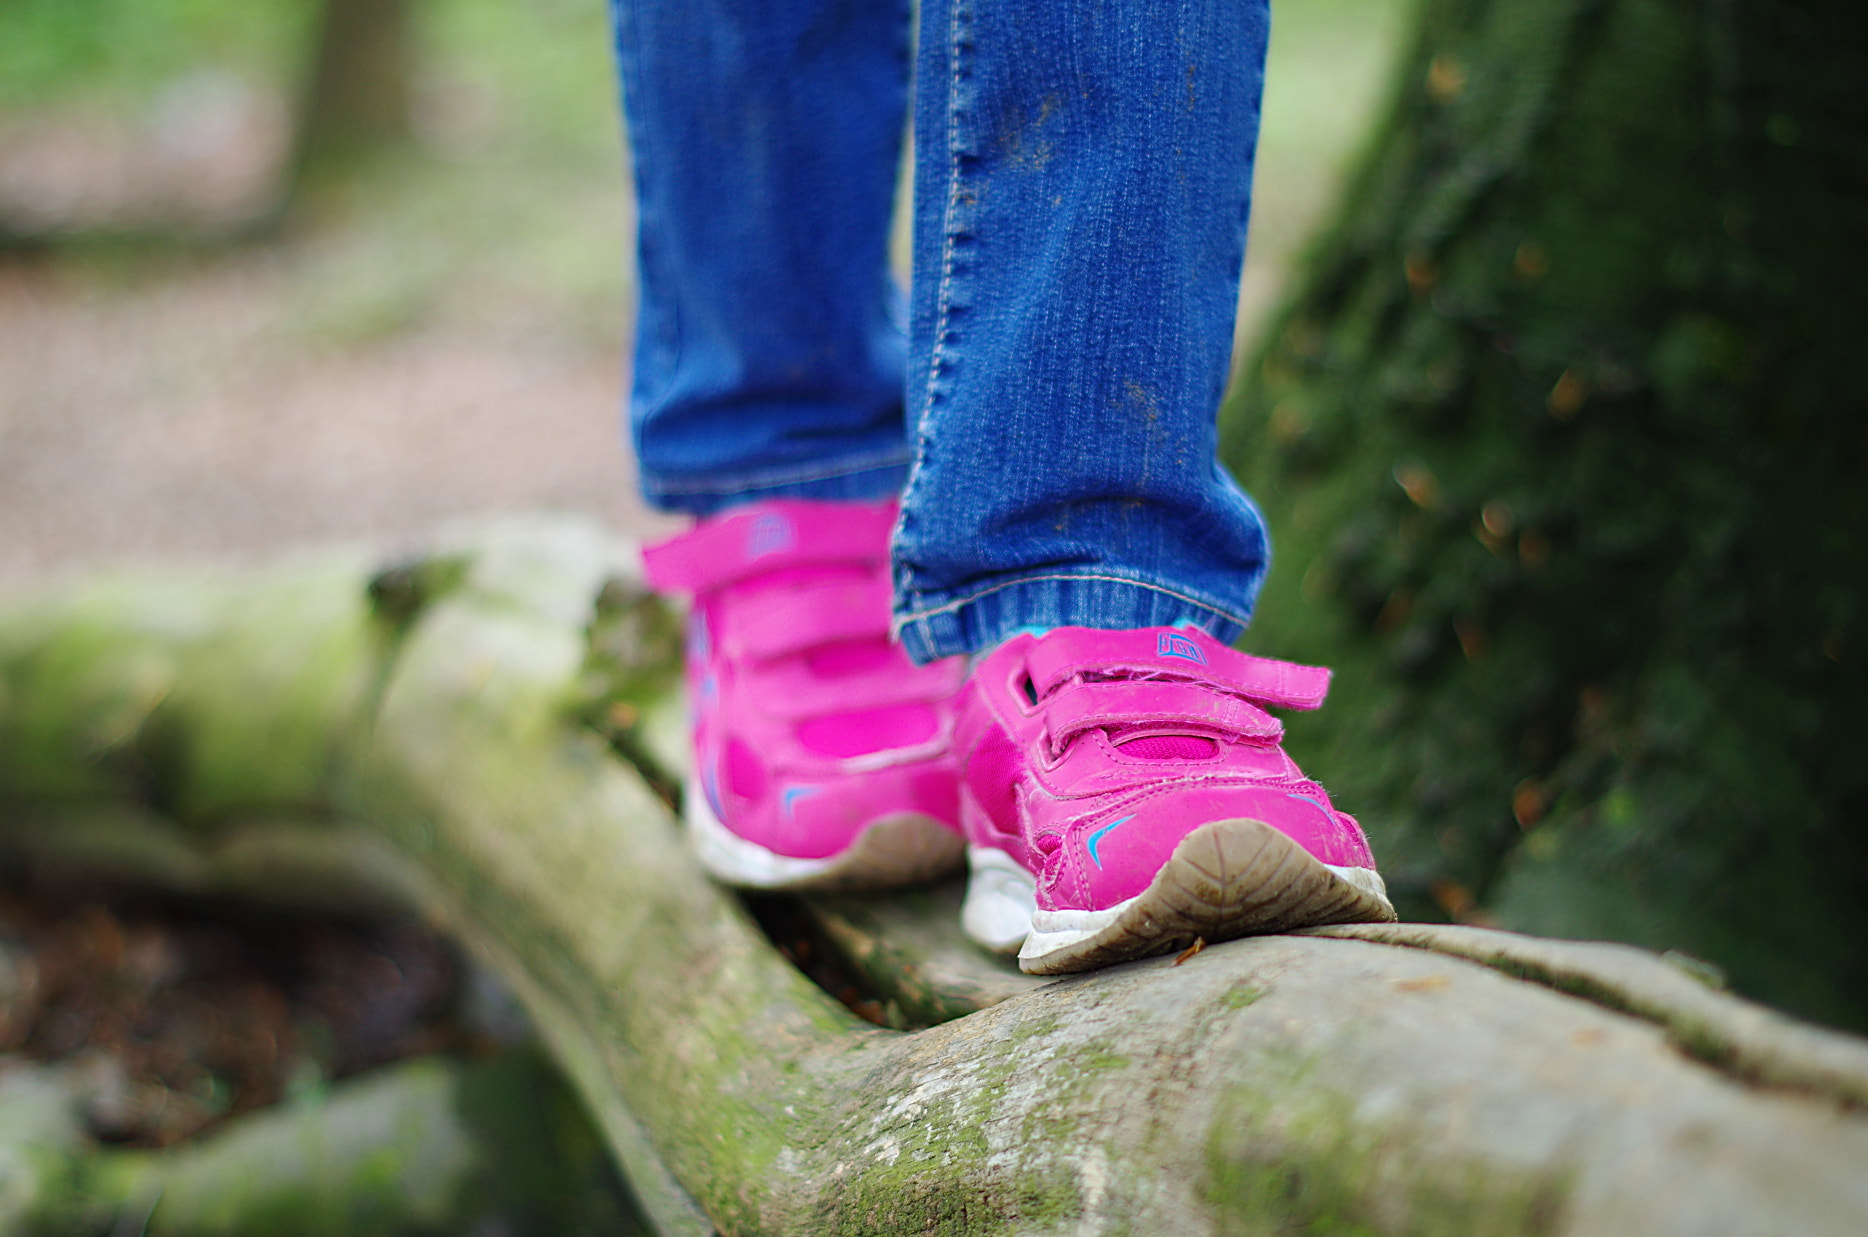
x=1168 y=747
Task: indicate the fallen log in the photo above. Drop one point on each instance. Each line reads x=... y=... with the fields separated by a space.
x=430 y=742
x=424 y=1146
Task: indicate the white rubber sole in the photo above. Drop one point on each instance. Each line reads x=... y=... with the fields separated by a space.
x=1001 y=899
x=1226 y=879
x=902 y=848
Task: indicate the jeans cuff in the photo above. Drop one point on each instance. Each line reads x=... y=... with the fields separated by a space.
x=930 y=628
x=865 y=479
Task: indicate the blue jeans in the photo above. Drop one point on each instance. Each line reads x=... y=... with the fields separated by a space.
x=1082 y=184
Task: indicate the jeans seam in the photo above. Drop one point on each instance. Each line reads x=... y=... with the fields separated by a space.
x=943 y=300
x=943 y=297
x=922 y=616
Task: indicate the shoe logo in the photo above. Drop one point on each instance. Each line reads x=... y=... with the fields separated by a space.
x=788 y=800
x=1098 y=836
x=1289 y=794
x=1172 y=644
x=769 y=534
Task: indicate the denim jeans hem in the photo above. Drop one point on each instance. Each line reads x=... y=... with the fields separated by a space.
x=981 y=621
x=864 y=478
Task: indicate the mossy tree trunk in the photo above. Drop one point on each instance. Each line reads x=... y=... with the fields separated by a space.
x=1563 y=439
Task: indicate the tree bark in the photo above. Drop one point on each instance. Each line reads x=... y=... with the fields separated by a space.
x=1561 y=440
x=357 y=101
x=283 y=728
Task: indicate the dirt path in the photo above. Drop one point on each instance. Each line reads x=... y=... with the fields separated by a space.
x=182 y=420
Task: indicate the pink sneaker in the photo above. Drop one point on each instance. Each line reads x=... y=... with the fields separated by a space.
x=1125 y=792
x=821 y=752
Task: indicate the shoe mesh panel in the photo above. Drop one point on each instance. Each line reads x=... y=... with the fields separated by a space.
x=1168 y=747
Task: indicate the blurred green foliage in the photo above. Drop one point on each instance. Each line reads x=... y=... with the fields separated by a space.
x=513 y=192
x=542 y=59
x=122 y=50
x=509 y=204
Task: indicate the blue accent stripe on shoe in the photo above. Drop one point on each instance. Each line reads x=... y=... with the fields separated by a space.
x=1096 y=837
x=789 y=799
x=1312 y=802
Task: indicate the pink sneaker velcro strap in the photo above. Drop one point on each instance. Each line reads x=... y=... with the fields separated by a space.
x=1166 y=707
x=1183 y=652
x=825 y=613
x=766 y=537
x=797 y=693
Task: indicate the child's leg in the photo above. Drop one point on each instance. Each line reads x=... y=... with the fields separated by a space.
x=765 y=136
x=1083 y=181
x=1083 y=178
x=768 y=370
